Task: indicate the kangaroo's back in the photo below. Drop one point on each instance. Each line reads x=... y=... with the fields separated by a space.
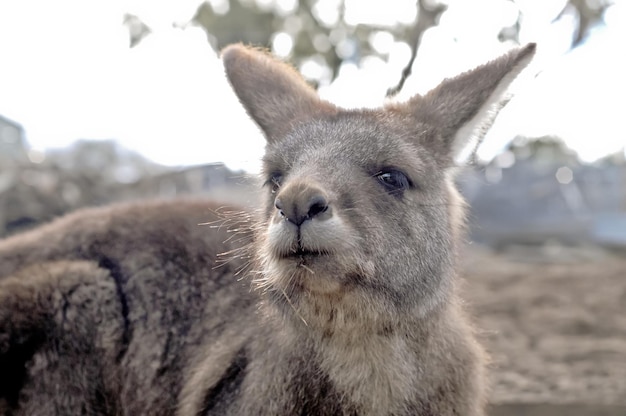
x=336 y=296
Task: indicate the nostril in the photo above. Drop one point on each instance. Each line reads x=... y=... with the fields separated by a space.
x=298 y=207
x=317 y=205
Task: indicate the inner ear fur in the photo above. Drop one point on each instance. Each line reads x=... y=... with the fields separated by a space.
x=272 y=92
x=463 y=108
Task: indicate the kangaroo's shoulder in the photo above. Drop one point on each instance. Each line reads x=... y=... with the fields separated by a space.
x=195 y=227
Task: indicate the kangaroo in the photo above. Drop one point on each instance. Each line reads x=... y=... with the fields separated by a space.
x=337 y=296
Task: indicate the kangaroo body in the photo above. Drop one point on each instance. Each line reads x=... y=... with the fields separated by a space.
x=337 y=297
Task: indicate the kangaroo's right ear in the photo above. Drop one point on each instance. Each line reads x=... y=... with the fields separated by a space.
x=461 y=109
x=272 y=92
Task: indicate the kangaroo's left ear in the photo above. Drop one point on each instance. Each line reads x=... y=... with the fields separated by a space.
x=464 y=107
x=272 y=92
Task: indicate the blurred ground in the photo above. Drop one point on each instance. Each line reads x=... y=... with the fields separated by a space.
x=554 y=321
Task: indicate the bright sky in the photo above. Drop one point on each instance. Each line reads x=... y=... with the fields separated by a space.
x=67 y=73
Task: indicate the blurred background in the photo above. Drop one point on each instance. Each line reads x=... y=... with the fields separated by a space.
x=126 y=99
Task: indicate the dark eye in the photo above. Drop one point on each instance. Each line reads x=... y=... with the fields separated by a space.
x=393 y=180
x=274 y=181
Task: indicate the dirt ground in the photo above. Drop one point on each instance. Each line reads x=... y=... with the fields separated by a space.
x=554 y=322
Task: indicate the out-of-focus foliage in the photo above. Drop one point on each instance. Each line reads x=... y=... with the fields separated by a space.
x=589 y=12
x=319 y=35
x=316 y=35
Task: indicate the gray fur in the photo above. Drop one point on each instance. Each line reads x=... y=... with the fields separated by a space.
x=337 y=297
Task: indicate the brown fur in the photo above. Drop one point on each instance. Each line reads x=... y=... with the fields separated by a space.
x=337 y=297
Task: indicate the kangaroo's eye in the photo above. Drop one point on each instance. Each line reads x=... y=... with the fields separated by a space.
x=274 y=181
x=393 y=180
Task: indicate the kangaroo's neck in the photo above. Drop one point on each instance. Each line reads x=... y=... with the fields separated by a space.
x=375 y=373
x=372 y=362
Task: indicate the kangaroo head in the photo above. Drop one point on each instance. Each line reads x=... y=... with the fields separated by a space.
x=360 y=217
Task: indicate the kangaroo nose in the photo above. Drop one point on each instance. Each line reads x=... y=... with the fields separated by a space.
x=298 y=204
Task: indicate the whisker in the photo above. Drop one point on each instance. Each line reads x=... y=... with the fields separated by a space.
x=293 y=307
x=307 y=268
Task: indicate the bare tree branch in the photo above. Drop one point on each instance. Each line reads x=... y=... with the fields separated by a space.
x=427 y=16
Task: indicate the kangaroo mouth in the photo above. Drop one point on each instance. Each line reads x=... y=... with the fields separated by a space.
x=303 y=253
x=314 y=271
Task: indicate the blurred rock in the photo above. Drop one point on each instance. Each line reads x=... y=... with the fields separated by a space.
x=36 y=188
x=546 y=196
x=12 y=149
